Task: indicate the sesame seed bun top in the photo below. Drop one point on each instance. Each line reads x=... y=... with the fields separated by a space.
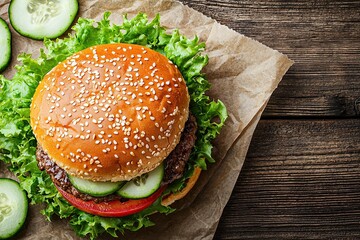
x=110 y=112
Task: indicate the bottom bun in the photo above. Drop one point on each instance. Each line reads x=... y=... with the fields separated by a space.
x=170 y=199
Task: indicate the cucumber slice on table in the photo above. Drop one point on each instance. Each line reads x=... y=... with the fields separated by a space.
x=39 y=19
x=5 y=45
x=96 y=189
x=144 y=185
x=13 y=207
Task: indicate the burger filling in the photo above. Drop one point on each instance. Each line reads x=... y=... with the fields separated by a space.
x=175 y=165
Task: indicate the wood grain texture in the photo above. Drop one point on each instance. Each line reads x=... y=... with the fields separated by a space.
x=300 y=181
x=301 y=178
x=322 y=37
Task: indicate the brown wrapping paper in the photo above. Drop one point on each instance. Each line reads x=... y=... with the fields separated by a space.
x=243 y=74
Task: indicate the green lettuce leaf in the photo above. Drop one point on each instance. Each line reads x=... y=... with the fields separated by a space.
x=18 y=144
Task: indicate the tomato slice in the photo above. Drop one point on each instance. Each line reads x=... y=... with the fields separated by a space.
x=113 y=208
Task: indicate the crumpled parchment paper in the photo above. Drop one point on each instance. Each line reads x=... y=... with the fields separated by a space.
x=243 y=73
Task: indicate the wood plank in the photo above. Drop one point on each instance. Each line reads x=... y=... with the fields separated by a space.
x=322 y=37
x=300 y=180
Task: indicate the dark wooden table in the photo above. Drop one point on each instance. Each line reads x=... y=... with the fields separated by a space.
x=301 y=178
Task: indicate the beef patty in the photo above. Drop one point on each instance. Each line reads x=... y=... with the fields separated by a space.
x=175 y=164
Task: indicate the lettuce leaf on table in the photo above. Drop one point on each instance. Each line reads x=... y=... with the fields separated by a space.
x=18 y=144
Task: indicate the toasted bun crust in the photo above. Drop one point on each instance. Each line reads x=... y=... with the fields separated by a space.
x=168 y=200
x=110 y=112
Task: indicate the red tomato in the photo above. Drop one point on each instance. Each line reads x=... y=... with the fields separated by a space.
x=113 y=208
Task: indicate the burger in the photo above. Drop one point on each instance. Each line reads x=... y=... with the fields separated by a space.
x=113 y=125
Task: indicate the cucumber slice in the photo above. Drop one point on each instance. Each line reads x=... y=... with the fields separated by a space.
x=144 y=185
x=96 y=189
x=5 y=45
x=13 y=207
x=39 y=19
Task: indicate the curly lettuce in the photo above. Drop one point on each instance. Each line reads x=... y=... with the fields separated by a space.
x=18 y=144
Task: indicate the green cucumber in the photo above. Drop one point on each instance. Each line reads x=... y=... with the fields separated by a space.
x=5 y=45
x=96 y=189
x=13 y=207
x=144 y=185
x=39 y=19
